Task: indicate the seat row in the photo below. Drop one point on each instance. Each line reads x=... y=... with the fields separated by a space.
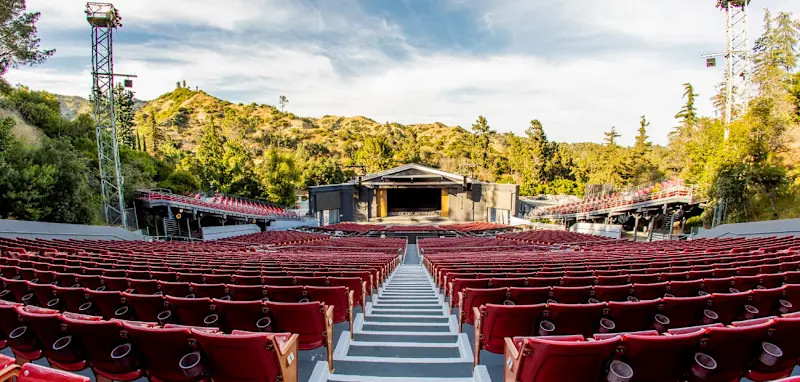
x=731 y=303
x=124 y=350
x=494 y=322
x=616 y=286
x=217 y=310
x=118 y=350
x=761 y=350
x=30 y=372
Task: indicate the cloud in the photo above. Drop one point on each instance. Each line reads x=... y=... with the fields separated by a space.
x=334 y=57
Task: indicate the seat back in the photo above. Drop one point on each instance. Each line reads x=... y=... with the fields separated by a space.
x=243 y=315
x=98 y=338
x=529 y=295
x=240 y=358
x=107 y=303
x=661 y=358
x=337 y=297
x=306 y=319
x=31 y=372
x=286 y=293
x=475 y=298
x=209 y=290
x=566 y=359
x=572 y=295
x=731 y=306
x=161 y=349
x=500 y=321
x=583 y=319
x=192 y=311
x=247 y=292
x=311 y=280
x=612 y=292
x=632 y=316
x=685 y=311
x=146 y=307
x=734 y=348
x=354 y=284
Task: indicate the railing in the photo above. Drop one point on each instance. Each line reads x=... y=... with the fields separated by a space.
x=615 y=202
x=151 y=195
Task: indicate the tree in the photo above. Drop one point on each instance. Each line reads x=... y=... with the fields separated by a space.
x=124 y=112
x=409 y=150
x=322 y=171
x=643 y=169
x=680 y=137
x=278 y=176
x=538 y=152
x=482 y=138
x=611 y=137
x=239 y=176
x=687 y=116
x=19 y=44
x=152 y=134
x=283 y=102
x=376 y=154
x=184 y=84
x=180 y=182
x=210 y=165
x=178 y=85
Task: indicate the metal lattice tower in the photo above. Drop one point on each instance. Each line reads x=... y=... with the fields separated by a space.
x=104 y=19
x=738 y=81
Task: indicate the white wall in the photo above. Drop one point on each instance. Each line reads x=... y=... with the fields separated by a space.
x=282 y=225
x=613 y=231
x=784 y=227
x=214 y=233
x=41 y=230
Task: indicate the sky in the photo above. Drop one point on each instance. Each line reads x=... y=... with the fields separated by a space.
x=579 y=66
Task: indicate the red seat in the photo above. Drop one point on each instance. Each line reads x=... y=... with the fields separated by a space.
x=569 y=281
x=249 y=357
x=177 y=289
x=161 y=350
x=458 y=285
x=632 y=316
x=568 y=358
x=146 y=307
x=46 y=326
x=98 y=340
x=251 y=316
x=138 y=274
x=278 y=280
x=572 y=295
x=286 y=293
x=644 y=278
x=770 y=302
x=529 y=296
x=144 y=286
x=120 y=284
x=733 y=348
x=650 y=291
x=340 y=298
x=544 y=281
x=108 y=303
x=772 y=280
x=355 y=284
x=30 y=372
x=247 y=292
x=661 y=358
x=193 y=311
x=164 y=276
x=612 y=292
x=311 y=320
x=583 y=319
x=311 y=280
x=685 y=311
x=495 y=322
x=216 y=279
x=674 y=276
x=733 y=306
x=784 y=333
x=613 y=280
x=20 y=291
x=217 y=291
x=688 y=288
x=507 y=282
x=189 y=277
x=743 y=283
x=246 y=280
x=720 y=285
x=72 y=299
x=471 y=298
x=45 y=295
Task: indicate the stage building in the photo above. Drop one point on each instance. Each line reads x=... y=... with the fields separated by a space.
x=413 y=193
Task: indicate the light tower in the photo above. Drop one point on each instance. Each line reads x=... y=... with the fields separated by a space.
x=104 y=19
x=738 y=81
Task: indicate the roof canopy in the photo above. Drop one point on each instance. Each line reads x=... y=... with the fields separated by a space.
x=416 y=175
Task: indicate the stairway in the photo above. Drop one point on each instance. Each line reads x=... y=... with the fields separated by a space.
x=407 y=334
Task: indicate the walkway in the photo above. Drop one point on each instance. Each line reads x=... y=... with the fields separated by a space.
x=407 y=334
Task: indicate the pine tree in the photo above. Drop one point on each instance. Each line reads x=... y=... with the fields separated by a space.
x=152 y=135
x=376 y=154
x=124 y=113
x=538 y=152
x=611 y=137
x=209 y=153
x=688 y=113
x=482 y=137
x=643 y=169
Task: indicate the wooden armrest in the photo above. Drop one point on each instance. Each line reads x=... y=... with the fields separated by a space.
x=350 y=296
x=477 y=335
x=9 y=372
x=512 y=360
x=329 y=335
x=364 y=297
x=287 y=357
x=460 y=310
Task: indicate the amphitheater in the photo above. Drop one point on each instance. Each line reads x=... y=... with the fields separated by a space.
x=358 y=302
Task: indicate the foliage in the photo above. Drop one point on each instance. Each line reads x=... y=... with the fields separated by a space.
x=278 y=176
x=180 y=182
x=376 y=154
x=124 y=110
x=19 y=44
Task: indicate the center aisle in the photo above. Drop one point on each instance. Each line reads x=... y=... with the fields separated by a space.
x=407 y=334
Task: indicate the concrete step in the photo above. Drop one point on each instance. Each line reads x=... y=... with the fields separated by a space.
x=407 y=367
x=416 y=337
x=406 y=318
x=401 y=312
x=395 y=351
x=405 y=327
